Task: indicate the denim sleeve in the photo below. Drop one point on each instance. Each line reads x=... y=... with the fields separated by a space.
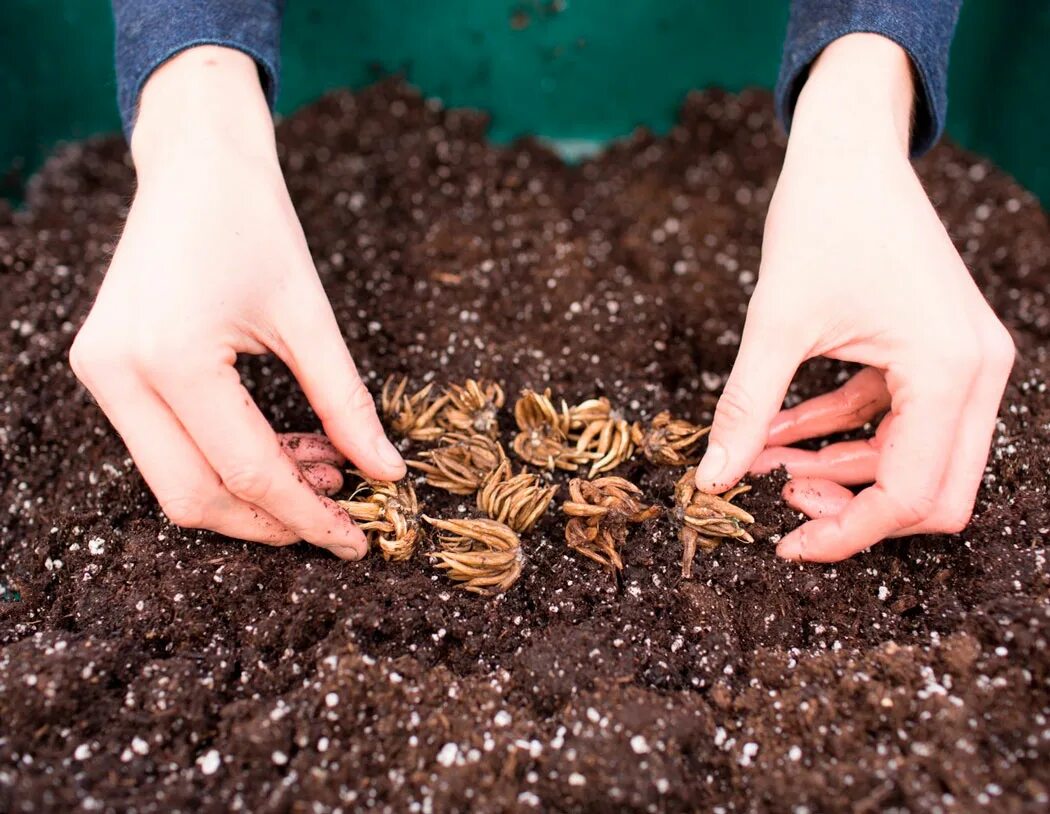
x=148 y=32
x=923 y=28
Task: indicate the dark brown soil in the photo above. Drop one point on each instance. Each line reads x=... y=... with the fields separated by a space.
x=151 y=669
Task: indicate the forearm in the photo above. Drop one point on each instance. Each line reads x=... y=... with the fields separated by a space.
x=151 y=32
x=859 y=93
x=205 y=101
x=922 y=30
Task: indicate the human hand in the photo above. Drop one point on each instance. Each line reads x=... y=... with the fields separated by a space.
x=213 y=263
x=857 y=266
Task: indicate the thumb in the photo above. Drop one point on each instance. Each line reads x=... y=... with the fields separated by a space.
x=314 y=350
x=765 y=365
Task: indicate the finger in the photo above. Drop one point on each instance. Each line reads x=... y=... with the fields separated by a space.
x=753 y=395
x=853 y=405
x=187 y=488
x=927 y=410
x=815 y=497
x=849 y=463
x=966 y=470
x=311 y=448
x=219 y=414
x=314 y=350
x=323 y=478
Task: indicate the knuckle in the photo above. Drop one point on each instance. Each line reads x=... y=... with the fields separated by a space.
x=999 y=348
x=87 y=355
x=910 y=510
x=80 y=358
x=250 y=483
x=184 y=510
x=735 y=407
x=163 y=351
x=359 y=399
x=355 y=400
x=154 y=355
x=954 y=521
x=856 y=402
x=960 y=354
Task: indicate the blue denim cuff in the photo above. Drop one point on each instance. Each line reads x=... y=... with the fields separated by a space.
x=923 y=29
x=150 y=32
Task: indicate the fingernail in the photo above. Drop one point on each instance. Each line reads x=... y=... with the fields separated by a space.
x=388 y=454
x=359 y=546
x=714 y=461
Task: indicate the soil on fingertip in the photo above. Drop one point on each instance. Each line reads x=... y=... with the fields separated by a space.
x=148 y=668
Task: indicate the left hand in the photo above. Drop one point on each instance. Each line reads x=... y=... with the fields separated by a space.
x=857 y=266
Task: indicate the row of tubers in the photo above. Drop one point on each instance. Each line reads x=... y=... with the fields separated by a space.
x=484 y=554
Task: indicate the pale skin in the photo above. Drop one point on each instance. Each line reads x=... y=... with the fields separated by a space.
x=213 y=263
x=856 y=266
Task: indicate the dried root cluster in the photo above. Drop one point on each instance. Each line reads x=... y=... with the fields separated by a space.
x=425 y=415
x=707 y=519
x=599 y=512
x=602 y=433
x=591 y=434
x=543 y=433
x=484 y=554
x=473 y=407
x=517 y=500
x=413 y=415
x=388 y=514
x=462 y=463
x=669 y=441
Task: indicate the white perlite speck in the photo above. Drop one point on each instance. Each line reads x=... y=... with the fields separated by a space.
x=209 y=762
x=639 y=745
x=502 y=718
x=279 y=757
x=448 y=754
x=139 y=746
x=96 y=545
x=331 y=699
x=577 y=779
x=83 y=752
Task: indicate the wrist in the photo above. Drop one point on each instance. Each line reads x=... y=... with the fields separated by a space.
x=202 y=103
x=860 y=91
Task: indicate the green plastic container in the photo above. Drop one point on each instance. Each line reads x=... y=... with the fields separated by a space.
x=575 y=71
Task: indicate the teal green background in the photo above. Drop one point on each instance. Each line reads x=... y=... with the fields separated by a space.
x=578 y=69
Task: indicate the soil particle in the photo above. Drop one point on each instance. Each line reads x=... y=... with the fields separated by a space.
x=150 y=668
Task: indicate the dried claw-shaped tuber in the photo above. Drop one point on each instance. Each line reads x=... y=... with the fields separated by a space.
x=413 y=416
x=599 y=430
x=389 y=516
x=669 y=441
x=483 y=554
x=517 y=500
x=462 y=463
x=707 y=519
x=473 y=407
x=599 y=512
x=543 y=437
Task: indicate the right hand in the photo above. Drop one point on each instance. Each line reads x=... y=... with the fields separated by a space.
x=212 y=263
